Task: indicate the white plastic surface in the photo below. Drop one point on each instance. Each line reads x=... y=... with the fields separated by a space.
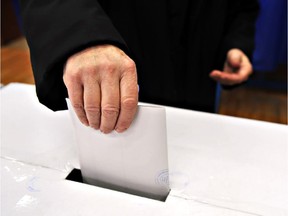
x=218 y=165
x=230 y=162
x=32 y=133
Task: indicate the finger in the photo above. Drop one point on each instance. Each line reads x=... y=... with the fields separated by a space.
x=75 y=93
x=129 y=101
x=246 y=68
x=226 y=78
x=109 y=103
x=234 y=58
x=92 y=103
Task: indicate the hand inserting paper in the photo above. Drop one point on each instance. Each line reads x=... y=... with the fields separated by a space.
x=102 y=86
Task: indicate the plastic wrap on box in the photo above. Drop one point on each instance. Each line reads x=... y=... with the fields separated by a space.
x=29 y=190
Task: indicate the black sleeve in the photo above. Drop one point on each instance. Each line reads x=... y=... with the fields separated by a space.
x=240 y=29
x=56 y=29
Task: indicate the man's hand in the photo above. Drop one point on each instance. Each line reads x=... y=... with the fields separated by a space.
x=102 y=86
x=237 y=69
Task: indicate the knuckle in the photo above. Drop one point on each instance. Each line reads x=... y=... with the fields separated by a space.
x=130 y=65
x=106 y=70
x=78 y=107
x=71 y=77
x=129 y=103
x=78 y=73
x=93 y=110
x=109 y=111
x=87 y=73
x=107 y=66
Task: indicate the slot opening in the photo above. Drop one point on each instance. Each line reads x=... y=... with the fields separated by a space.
x=76 y=175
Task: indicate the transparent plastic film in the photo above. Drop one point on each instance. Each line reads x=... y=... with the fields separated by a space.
x=23 y=185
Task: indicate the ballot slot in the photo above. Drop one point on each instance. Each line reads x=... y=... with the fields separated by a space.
x=76 y=176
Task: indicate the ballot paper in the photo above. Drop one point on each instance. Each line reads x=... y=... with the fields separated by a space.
x=135 y=161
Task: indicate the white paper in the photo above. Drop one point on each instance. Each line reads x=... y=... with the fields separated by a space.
x=135 y=161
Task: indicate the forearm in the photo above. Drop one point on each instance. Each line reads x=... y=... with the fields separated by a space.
x=241 y=26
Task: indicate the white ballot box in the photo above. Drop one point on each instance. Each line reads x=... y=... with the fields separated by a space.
x=218 y=165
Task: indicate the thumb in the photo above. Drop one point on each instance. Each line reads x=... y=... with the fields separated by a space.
x=234 y=58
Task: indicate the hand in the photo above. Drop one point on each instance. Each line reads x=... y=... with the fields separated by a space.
x=237 y=69
x=102 y=87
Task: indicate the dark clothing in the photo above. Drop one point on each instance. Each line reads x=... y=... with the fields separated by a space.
x=175 y=44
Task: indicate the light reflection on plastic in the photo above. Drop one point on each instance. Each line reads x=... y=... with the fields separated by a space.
x=20 y=178
x=27 y=201
x=178 y=180
x=7 y=168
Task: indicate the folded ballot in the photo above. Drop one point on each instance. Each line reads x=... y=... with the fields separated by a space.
x=134 y=161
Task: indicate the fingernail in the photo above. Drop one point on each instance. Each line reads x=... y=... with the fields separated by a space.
x=95 y=128
x=104 y=131
x=85 y=123
x=120 y=130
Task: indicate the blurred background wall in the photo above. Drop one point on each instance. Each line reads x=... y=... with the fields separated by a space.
x=270 y=56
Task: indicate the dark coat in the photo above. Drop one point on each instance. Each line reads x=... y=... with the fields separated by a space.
x=175 y=43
